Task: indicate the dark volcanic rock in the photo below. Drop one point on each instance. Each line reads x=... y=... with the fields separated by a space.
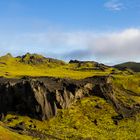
x=38 y=59
x=27 y=98
x=41 y=97
x=89 y=65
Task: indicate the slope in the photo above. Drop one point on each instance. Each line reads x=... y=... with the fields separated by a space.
x=38 y=65
x=129 y=65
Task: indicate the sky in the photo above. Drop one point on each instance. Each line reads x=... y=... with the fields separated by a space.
x=107 y=31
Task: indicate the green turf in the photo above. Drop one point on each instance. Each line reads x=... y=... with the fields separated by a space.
x=11 y=67
x=83 y=120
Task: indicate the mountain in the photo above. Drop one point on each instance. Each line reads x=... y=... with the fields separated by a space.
x=129 y=65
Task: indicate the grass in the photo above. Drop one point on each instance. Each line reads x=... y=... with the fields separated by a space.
x=127 y=89
x=89 y=118
x=84 y=120
x=6 y=134
x=129 y=82
x=129 y=65
x=11 y=67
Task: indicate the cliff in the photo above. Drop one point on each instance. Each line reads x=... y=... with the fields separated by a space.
x=41 y=97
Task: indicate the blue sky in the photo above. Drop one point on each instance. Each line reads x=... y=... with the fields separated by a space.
x=100 y=30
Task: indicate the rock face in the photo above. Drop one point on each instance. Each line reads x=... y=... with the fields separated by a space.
x=40 y=98
x=38 y=59
x=89 y=65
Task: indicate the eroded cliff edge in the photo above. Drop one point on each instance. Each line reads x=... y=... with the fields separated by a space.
x=41 y=97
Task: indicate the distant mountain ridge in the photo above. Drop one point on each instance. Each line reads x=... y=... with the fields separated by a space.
x=129 y=65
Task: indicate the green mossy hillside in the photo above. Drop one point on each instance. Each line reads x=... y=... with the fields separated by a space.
x=129 y=65
x=6 y=134
x=37 y=65
x=89 y=118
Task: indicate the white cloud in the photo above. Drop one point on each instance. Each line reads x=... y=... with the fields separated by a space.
x=120 y=46
x=114 y=5
x=107 y=47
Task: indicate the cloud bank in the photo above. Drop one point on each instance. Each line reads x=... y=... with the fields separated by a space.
x=107 y=47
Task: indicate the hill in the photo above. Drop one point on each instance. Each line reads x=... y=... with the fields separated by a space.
x=38 y=65
x=100 y=107
x=129 y=65
x=38 y=59
x=48 y=99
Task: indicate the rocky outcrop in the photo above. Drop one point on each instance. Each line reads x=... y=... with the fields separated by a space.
x=40 y=98
x=89 y=65
x=38 y=59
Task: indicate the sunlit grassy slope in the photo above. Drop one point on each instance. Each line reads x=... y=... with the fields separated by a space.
x=13 y=67
x=89 y=118
x=130 y=65
x=6 y=134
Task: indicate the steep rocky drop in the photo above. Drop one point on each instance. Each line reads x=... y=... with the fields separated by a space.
x=41 y=97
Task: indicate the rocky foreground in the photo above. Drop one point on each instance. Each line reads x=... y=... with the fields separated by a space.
x=41 y=97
